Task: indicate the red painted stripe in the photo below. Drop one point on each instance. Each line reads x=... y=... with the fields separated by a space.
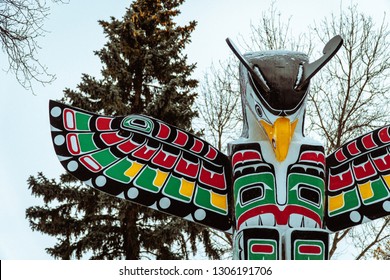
x=212 y=153
x=365 y=170
x=187 y=168
x=164 y=131
x=315 y=157
x=382 y=163
x=128 y=146
x=212 y=179
x=310 y=249
x=164 y=159
x=181 y=138
x=262 y=248
x=145 y=152
x=90 y=163
x=340 y=181
x=384 y=135
x=103 y=123
x=340 y=155
x=281 y=216
x=73 y=144
x=245 y=156
x=368 y=141
x=69 y=119
x=198 y=146
x=111 y=138
x=352 y=148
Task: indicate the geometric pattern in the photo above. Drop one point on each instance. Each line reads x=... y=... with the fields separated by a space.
x=145 y=161
x=259 y=200
x=307 y=244
x=358 y=180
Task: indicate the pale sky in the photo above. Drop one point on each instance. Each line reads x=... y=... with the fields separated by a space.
x=67 y=51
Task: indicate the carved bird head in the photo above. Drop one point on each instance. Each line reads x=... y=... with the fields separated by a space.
x=274 y=87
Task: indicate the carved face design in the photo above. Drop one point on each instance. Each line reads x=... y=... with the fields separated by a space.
x=258 y=200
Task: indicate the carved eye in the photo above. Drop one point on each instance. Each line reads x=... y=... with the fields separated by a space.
x=259 y=112
x=310 y=194
x=251 y=194
x=138 y=123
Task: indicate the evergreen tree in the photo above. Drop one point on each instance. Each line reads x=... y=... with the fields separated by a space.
x=144 y=71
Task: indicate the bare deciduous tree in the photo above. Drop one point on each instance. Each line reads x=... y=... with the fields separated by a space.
x=219 y=104
x=273 y=32
x=382 y=251
x=349 y=94
x=349 y=97
x=21 y=24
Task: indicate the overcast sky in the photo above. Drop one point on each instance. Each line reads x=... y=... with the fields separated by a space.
x=67 y=51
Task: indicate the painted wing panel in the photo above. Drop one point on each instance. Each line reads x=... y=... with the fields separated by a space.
x=358 y=181
x=145 y=161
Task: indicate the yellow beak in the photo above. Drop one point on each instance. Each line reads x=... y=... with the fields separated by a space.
x=280 y=135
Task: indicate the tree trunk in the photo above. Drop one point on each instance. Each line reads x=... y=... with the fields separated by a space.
x=130 y=232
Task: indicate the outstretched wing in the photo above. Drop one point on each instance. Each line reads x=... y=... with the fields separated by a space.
x=146 y=161
x=358 y=181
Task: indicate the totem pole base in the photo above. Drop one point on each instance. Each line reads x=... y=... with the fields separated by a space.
x=270 y=243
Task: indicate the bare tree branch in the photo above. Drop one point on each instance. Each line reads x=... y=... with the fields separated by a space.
x=219 y=104
x=348 y=97
x=21 y=24
x=376 y=240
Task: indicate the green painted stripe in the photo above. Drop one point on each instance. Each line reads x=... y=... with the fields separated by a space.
x=82 y=121
x=380 y=192
x=87 y=144
x=351 y=202
x=117 y=171
x=145 y=180
x=172 y=189
x=104 y=157
x=203 y=199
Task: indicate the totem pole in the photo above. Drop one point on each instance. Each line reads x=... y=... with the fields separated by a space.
x=276 y=192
